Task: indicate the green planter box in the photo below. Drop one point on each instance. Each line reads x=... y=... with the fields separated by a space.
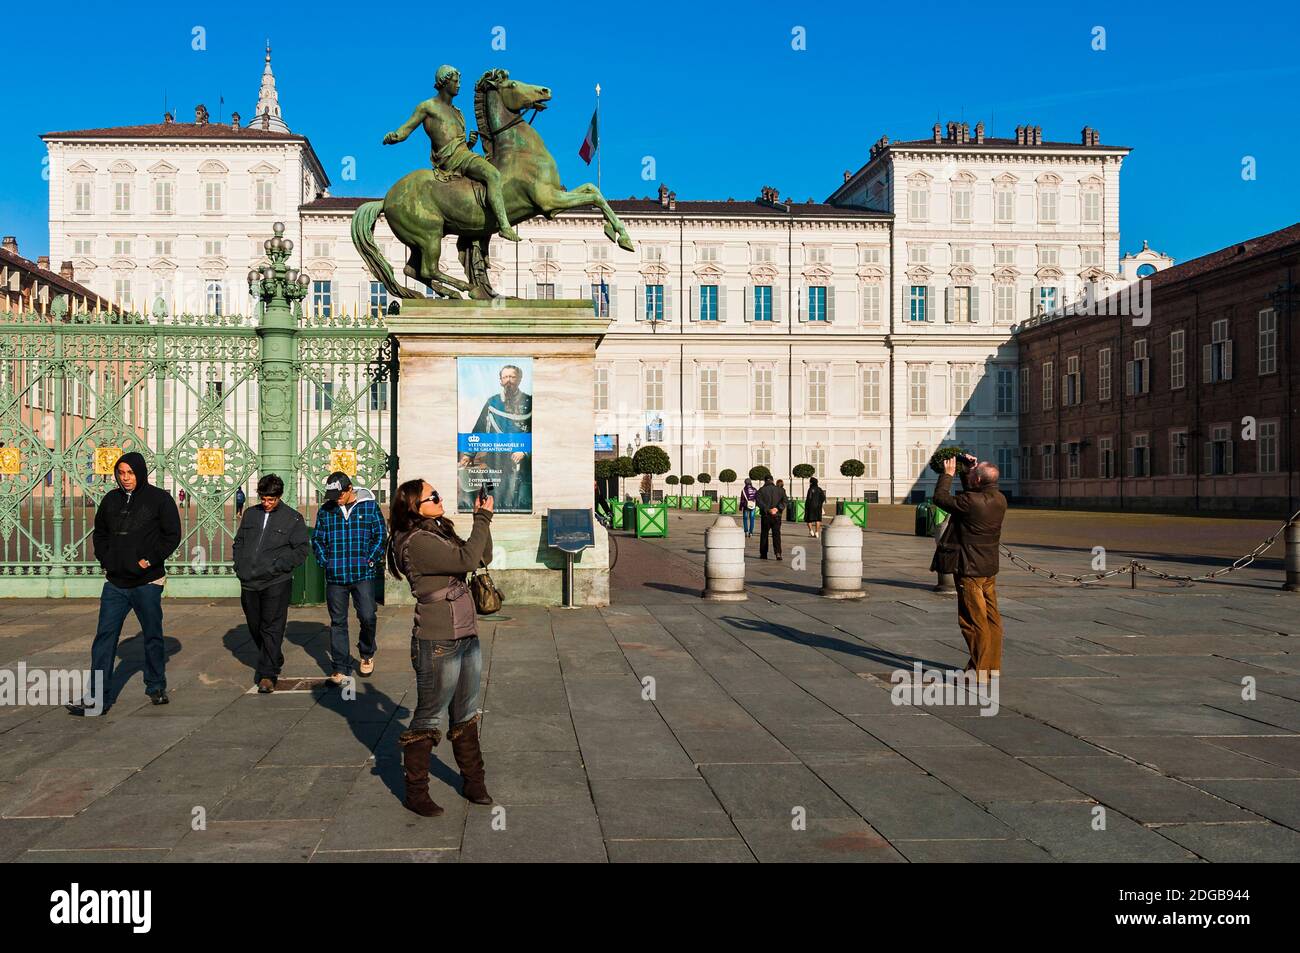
x=794 y=511
x=652 y=520
x=616 y=514
x=856 y=510
x=672 y=501
x=730 y=505
x=704 y=504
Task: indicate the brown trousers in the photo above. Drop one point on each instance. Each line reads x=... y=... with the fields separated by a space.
x=981 y=624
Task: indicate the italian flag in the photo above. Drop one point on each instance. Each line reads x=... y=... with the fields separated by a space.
x=591 y=143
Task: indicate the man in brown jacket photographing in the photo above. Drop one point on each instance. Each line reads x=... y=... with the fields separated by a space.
x=970 y=547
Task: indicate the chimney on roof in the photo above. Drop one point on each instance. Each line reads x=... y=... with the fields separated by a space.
x=1020 y=135
x=234 y=120
x=168 y=119
x=65 y=271
x=848 y=175
x=663 y=196
x=200 y=115
x=979 y=132
x=1038 y=135
x=672 y=201
x=938 y=133
x=952 y=132
x=10 y=244
x=43 y=261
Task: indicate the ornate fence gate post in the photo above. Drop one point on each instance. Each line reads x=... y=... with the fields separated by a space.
x=277 y=286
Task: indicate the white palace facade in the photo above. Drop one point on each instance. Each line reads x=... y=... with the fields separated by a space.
x=874 y=325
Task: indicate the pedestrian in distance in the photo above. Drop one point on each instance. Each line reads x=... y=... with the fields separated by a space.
x=812 y=507
x=425 y=550
x=969 y=550
x=349 y=545
x=270 y=544
x=137 y=526
x=240 y=499
x=772 y=502
x=748 y=505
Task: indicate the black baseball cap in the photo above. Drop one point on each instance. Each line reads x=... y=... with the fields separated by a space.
x=337 y=484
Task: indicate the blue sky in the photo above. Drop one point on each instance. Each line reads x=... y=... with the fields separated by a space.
x=714 y=92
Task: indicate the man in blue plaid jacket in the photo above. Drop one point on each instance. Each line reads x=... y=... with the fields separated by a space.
x=349 y=545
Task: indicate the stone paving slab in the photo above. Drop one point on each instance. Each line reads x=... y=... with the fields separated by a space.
x=668 y=729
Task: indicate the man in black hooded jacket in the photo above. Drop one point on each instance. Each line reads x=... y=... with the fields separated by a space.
x=137 y=526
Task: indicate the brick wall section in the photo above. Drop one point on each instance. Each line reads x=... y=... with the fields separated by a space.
x=1234 y=284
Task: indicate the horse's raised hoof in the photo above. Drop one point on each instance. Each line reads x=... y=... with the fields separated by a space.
x=508 y=233
x=625 y=242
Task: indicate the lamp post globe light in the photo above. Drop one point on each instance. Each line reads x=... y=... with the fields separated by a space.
x=275 y=284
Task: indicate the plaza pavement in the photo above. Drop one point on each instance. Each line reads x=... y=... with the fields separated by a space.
x=764 y=713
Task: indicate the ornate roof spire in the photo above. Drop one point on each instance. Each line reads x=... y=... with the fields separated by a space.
x=267 y=113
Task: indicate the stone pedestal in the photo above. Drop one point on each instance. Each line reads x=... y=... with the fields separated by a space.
x=561 y=338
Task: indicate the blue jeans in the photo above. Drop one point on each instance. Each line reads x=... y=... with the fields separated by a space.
x=446 y=676
x=114 y=604
x=362 y=594
x=747 y=516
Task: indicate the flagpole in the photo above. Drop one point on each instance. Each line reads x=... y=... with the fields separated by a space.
x=598 y=137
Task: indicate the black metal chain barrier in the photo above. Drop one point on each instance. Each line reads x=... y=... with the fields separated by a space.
x=1133 y=567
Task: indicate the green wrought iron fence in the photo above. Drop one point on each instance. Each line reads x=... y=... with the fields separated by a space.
x=78 y=389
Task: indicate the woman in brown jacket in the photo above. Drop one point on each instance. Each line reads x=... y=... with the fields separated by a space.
x=425 y=550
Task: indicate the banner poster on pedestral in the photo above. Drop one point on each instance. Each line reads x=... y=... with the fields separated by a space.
x=494 y=432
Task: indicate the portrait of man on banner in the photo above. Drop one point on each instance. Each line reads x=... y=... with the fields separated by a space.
x=495 y=439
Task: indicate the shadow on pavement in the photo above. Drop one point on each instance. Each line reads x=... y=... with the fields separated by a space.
x=835 y=644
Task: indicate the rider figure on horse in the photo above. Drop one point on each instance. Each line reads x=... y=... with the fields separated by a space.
x=450 y=149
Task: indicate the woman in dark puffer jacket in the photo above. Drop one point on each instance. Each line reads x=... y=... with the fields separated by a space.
x=425 y=550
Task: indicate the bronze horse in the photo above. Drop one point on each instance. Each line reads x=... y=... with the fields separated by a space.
x=425 y=205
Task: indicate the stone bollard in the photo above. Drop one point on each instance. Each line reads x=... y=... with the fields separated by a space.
x=724 y=561
x=1292 y=559
x=945 y=583
x=842 y=559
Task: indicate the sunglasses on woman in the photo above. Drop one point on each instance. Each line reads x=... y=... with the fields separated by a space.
x=433 y=497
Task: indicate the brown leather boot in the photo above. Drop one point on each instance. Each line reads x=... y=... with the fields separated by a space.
x=464 y=745
x=417 y=750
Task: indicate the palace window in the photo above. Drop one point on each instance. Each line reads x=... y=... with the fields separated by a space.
x=122 y=196
x=1103 y=374
x=871 y=303
x=762 y=302
x=162 y=195
x=1216 y=357
x=1268 y=342
x=264 y=190
x=961 y=204
x=817 y=303
x=1024 y=390
x=709 y=389
x=600 y=299
x=602 y=388
x=81 y=193
x=378 y=299
x=917 y=303
x=1091 y=206
x=1006 y=205
x=1141 y=455
x=1178 y=452
x=545 y=291
x=1138 y=380
x=1268 y=444
x=871 y=376
x=122 y=246
x=162 y=247
x=960 y=303
x=654 y=302
x=212 y=196
x=870 y=462
x=963 y=385
x=1218 y=451
x=1048 y=453
x=708 y=302
x=1049 y=378
x=215 y=296
x=654 y=389
x=1005 y=303
x=1046 y=299
x=918 y=203
x=1071 y=383
x=322 y=298
x=763 y=390
x=1177 y=360
x=918 y=389
x=1006 y=381
x=816 y=380
x=1048 y=200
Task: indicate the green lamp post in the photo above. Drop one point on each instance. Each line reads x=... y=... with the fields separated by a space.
x=280 y=289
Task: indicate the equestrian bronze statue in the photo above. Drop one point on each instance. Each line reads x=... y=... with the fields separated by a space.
x=470 y=196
